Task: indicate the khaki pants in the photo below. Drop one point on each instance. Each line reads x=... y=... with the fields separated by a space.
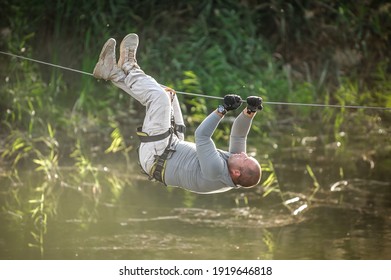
x=159 y=108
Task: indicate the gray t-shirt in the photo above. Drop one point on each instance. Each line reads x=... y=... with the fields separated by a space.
x=200 y=167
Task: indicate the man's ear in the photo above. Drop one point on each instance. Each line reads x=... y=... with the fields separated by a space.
x=235 y=173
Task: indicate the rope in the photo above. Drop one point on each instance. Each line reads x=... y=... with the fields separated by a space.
x=210 y=96
x=47 y=63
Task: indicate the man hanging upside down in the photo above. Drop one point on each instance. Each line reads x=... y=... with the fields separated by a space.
x=163 y=154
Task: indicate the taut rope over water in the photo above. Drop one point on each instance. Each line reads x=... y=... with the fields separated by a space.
x=209 y=96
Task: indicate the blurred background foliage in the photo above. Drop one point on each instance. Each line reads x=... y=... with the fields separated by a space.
x=291 y=51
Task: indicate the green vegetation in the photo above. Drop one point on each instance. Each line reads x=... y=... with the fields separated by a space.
x=328 y=52
x=297 y=51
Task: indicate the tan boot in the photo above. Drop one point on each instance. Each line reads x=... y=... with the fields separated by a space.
x=128 y=49
x=107 y=68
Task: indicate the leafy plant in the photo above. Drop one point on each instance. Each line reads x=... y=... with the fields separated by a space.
x=270 y=185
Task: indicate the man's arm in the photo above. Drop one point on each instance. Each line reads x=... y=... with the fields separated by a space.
x=242 y=125
x=239 y=132
x=212 y=164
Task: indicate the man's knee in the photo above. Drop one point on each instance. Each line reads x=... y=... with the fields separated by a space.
x=160 y=97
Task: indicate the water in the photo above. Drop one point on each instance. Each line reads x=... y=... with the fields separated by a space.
x=337 y=206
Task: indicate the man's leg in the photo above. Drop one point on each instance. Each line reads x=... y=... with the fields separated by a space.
x=149 y=93
x=143 y=88
x=157 y=118
x=178 y=116
x=176 y=112
x=128 y=76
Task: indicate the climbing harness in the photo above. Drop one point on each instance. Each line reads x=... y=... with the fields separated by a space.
x=159 y=166
x=214 y=97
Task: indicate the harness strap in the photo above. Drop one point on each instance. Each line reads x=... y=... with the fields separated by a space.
x=144 y=137
x=159 y=166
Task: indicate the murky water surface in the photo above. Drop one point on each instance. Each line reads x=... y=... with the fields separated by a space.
x=335 y=203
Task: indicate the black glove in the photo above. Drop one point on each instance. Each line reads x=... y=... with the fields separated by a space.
x=254 y=103
x=232 y=102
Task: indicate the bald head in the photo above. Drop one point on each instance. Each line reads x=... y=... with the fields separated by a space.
x=244 y=170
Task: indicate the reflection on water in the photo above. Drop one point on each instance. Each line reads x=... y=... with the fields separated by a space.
x=335 y=203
